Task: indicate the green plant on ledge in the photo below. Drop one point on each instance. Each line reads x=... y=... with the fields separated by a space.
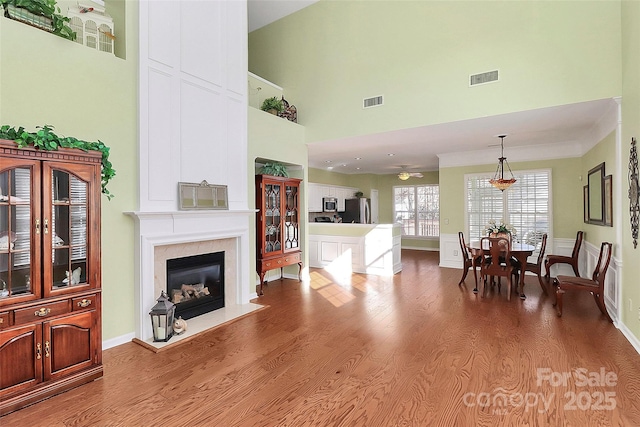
x=45 y=139
x=48 y=9
x=272 y=105
x=275 y=169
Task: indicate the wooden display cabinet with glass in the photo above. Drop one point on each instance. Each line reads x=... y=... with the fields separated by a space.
x=50 y=275
x=277 y=224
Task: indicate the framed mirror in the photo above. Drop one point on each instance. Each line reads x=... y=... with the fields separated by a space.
x=202 y=196
x=596 y=211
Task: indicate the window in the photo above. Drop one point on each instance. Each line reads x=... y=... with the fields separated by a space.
x=526 y=205
x=417 y=208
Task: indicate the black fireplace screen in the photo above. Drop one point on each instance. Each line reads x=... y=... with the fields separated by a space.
x=195 y=284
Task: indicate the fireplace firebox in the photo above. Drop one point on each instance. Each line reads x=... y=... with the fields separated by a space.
x=195 y=284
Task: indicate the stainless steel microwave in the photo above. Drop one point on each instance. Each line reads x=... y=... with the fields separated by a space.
x=329 y=204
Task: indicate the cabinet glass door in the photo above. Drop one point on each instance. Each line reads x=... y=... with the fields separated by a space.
x=68 y=228
x=291 y=227
x=272 y=217
x=15 y=233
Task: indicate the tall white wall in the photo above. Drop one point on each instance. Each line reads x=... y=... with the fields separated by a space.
x=193 y=99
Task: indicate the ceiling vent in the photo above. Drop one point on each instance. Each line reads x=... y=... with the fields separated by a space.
x=372 y=102
x=482 y=78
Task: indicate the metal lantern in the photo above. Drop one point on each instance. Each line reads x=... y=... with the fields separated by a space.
x=162 y=318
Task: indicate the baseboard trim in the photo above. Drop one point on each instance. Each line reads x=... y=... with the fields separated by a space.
x=418 y=248
x=629 y=336
x=114 y=342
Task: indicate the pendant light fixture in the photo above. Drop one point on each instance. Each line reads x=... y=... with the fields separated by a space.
x=498 y=180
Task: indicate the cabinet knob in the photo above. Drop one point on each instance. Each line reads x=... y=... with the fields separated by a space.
x=84 y=303
x=42 y=312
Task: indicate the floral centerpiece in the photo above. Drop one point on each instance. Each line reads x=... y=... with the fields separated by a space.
x=499 y=228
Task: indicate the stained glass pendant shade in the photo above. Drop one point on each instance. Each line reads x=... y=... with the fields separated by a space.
x=498 y=179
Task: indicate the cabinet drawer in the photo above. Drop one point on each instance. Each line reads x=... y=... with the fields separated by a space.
x=292 y=259
x=272 y=263
x=83 y=303
x=41 y=311
x=281 y=261
x=4 y=320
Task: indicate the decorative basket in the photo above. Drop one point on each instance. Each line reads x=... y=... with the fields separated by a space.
x=23 y=15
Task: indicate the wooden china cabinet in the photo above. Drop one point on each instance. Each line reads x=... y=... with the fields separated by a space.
x=50 y=321
x=277 y=224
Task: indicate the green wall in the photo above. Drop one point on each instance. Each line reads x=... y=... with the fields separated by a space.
x=419 y=55
x=566 y=191
x=630 y=128
x=90 y=95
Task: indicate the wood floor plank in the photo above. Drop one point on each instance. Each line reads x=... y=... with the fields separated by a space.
x=414 y=349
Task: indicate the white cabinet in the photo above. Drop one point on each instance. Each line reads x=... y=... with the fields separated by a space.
x=359 y=248
x=343 y=193
x=315 y=197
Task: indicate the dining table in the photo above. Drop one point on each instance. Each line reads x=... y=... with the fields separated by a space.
x=520 y=251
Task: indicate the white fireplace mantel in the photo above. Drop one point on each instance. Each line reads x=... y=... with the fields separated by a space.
x=160 y=229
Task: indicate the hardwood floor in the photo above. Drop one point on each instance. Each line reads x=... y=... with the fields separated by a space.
x=412 y=350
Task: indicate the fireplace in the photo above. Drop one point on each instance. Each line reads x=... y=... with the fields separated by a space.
x=195 y=284
x=162 y=236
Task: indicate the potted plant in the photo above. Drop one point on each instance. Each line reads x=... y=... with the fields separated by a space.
x=45 y=139
x=43 y=14
x=275 y=169
x=272 y=105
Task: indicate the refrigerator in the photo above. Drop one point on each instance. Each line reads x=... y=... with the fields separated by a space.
x=357 y=211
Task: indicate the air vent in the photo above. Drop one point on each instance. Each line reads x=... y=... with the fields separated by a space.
x=372 y=102
x=482 y=78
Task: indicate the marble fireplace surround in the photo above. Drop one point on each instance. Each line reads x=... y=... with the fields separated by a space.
x=166 y=235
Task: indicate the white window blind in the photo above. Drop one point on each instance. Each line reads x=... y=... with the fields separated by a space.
x=417 y=207
x=526 y=205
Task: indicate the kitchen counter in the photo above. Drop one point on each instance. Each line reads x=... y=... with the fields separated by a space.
x=359 y=248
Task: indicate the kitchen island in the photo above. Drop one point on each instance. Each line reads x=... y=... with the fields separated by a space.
x=358 y=248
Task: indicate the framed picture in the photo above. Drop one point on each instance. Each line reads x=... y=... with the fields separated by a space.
x=608 y=201
x=586 y=203
x=202 y=196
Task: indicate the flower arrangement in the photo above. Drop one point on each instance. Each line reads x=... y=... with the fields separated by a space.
x=499 y=227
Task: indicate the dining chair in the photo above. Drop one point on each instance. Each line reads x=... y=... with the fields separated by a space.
x=595 y=285
x=563 y=259
x=537 y=266
x=496 y=261
x=467 y=260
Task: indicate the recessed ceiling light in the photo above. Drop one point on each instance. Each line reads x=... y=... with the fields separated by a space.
x=327 y=161
x=344 y=164
x=358 y=158
x=358 y=168
x=330 y=167
x=390 y=154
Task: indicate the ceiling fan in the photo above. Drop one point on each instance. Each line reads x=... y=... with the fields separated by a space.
x=405 y=175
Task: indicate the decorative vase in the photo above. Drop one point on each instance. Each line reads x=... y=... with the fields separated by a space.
x=504 y=235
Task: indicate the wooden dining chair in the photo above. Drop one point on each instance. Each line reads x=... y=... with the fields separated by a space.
x=595 y=285
x=468 y=260
x=563 y=259
x=537 y=266
x=496 y=252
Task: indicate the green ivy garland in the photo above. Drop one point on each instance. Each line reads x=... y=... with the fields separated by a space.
x=45 y=139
